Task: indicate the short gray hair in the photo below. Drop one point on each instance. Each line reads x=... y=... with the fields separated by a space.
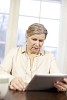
x=36 y=28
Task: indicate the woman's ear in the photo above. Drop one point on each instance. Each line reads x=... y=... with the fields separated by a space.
x=26 y=36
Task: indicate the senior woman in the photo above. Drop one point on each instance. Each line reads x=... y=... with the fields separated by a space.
x=30 y=59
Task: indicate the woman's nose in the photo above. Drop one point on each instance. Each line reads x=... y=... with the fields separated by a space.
x=37 y=43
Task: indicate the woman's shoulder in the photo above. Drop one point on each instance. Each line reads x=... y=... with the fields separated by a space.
x=18 y=48
x=13 y=51
x=49 y=53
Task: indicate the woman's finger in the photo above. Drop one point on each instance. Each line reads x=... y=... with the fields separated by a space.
x=60 y=86
x=17 y=84
x=12 y=87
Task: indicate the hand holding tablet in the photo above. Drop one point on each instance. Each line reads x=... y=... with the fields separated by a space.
x=40 y=82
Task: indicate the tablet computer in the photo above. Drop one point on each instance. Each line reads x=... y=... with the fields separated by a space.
x=40 y=82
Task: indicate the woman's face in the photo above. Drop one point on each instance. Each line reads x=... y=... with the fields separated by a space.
x=35 y=42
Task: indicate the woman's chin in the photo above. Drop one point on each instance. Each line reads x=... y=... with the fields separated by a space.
x=35 y=52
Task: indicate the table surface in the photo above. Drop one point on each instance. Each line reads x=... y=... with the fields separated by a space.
x=41 y=95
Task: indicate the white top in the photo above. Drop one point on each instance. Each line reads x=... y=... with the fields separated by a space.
x=18 y=63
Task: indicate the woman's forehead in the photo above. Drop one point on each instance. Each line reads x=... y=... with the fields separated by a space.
x=38 y=36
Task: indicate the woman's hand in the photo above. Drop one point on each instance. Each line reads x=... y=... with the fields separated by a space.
x=61 y=86
x=17 y=84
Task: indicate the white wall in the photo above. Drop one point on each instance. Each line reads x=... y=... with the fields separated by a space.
x=62 y=54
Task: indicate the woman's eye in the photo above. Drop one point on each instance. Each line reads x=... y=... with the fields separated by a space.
x=38 y=40
x=34 y=39
x=41 y=40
